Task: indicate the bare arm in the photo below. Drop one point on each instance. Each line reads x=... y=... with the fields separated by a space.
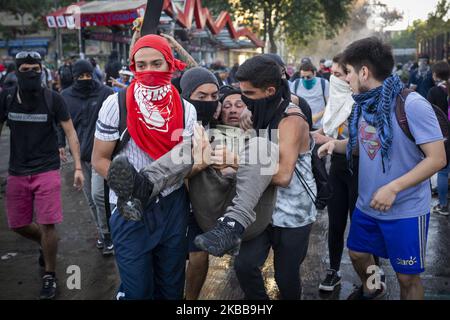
x=293 y=139
x=337 y=146
x=101 y=156
x=435 y=160
x=317 y=116
x=74 y=146
x=185 y=56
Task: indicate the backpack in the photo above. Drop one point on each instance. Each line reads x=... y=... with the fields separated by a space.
x=324 y=190
x=402 y=121
x=65 y=74
x=322 y=83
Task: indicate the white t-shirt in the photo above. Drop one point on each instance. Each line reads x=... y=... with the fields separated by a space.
x=314 y=97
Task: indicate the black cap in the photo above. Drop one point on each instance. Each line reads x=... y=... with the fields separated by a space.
x=226 y=91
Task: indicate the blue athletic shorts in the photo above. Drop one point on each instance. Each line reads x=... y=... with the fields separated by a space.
x=402 y=241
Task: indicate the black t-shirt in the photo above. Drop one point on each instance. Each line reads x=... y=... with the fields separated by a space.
x=34 y=143
x=438 y=96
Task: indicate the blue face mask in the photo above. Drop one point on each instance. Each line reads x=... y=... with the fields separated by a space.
x=309 y=84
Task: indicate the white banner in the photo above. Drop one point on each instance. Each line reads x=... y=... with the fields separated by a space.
x=61 y=21
x=51 y=22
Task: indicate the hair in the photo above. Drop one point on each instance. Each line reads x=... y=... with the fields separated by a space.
x=262 y=72
x=338 y=59
x=442 y=71
x=372 y=53
x=307 y=66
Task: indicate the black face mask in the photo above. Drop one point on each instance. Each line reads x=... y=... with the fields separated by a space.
x=205 y=110
x=264 y=110
x=84 y=86
x=29 y=82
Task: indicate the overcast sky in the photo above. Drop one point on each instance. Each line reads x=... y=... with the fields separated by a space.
x=412 y=10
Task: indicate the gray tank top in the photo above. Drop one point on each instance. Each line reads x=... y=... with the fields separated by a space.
x=294 y=208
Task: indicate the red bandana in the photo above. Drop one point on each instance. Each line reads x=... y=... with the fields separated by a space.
x=155 y=112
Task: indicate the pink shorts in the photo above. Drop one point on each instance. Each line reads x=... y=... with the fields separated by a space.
x=41 y=191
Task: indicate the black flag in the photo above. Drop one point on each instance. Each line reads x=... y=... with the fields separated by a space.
x=151 y=17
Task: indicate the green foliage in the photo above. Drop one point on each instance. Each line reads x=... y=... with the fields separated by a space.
x=436 y=24
x=405 y=39
x=300 y=19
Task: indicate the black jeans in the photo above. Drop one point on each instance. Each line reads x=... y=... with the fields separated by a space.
x=340 y=205
x=289 y=248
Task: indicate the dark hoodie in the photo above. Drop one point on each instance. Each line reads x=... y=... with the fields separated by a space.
x=84 y=110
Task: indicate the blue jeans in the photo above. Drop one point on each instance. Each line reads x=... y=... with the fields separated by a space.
x=442 y=186
x=151 y=253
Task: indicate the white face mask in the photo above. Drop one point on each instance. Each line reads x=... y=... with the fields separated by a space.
x=339 y=106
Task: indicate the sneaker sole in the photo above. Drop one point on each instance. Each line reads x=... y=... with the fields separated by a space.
x=130 y=209
x=108 y=253
x=329 y=288
x=201 y=244
x=120 y=177
x=121 y=181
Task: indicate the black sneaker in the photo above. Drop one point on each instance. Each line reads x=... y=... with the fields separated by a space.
x=132 y=188
x=224 y=238
x=99 y=244
x=41 y=259
x=442 y=210
x=332 y=280
x=48 y=290
x=358 y=294
x=109 y=247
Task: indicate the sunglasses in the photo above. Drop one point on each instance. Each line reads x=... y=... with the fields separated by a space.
x=25 y=69
x=25 y=54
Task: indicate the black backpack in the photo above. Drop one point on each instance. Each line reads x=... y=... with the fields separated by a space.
x=324 y=190
x=402 y=121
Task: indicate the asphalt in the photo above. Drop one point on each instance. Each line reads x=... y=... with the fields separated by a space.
x=20 y=275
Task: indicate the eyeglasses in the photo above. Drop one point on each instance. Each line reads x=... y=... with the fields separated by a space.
x=25 y=54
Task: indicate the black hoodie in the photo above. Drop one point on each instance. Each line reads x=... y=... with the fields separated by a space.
x=84 y=113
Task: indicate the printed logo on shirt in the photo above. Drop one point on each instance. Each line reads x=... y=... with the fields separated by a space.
x=369 y=139
x=26 y=117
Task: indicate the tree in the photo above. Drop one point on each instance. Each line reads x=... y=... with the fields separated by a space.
x=300 y=19
x=436 y=23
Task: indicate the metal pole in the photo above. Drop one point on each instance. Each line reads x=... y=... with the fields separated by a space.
x=80 y=40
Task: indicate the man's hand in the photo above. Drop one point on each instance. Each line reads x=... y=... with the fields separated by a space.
x=223 y=157
x=245 y=120
x=62 y=154
x=320 y=138
x=78 y=179
x=201 y=150
x=171 y=39
x=326 y=149
x=383 y=198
